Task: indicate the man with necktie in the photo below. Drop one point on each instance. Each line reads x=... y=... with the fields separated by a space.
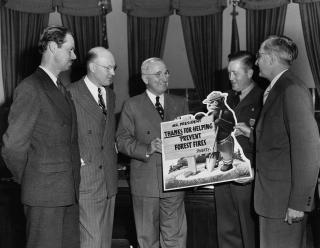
x=159 y=216
x=95 y=101
x=236 y=220
x=287 y=149
x=41 y=147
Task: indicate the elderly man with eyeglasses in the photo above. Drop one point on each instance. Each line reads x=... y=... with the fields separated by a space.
x=95 y=101
x=287 y=149
x=159 y=216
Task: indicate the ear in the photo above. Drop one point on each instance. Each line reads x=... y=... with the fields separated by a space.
x=145 y=79
x=250 y=73
x=92 y=67
x=52 y=46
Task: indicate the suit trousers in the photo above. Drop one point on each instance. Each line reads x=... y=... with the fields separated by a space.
x=237 y=223
x=52 y=227
x=161 y=219
x=96 y=222
x=276 y=233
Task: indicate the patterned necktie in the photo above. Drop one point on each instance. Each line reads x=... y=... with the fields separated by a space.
x=265 y=94
x=159 y=107
x=101 y=102
x=61 y=87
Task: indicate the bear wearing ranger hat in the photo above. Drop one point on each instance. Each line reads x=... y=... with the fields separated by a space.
x=225 y=121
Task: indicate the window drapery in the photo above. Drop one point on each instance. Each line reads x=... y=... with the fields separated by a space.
x=19 y=38
x=310 y=19
x=203 y=40
x=263 y=22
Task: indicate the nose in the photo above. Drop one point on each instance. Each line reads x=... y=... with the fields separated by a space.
x=257 y=62
x=231 y=76
x=112 y=71
x=73 y=55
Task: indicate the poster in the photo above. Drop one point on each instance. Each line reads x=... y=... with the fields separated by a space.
x=202 y=149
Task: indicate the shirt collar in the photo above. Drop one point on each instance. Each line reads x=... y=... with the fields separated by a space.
x=275 y=79
x=153 y=97
x=50 y=74
x=246 y=91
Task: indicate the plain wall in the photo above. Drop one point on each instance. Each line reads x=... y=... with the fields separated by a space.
x=175 y=52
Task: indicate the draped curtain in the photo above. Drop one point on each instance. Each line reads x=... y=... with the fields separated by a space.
x=263 y=22
x=203 y=40
x=147 y=28
x=263 y=18
x=23 y=21
x=20 y=33
x=88 y=32
x=310 y=18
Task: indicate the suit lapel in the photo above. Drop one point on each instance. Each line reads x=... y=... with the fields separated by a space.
x=54 y=94
x=150 y=111
x=87 y=102
x=273 y=95
x=169 y=108
x=110 y=109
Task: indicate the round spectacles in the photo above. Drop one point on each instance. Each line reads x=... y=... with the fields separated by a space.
x=159 y=74
x=108 y=68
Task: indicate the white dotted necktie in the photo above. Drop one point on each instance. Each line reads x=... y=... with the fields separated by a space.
x=159 y=107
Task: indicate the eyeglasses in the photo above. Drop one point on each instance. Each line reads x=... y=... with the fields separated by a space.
x=109 y=68
x=159 y=74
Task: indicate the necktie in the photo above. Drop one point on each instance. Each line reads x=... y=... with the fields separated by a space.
x=61 y=87
x=237 y=97
x=265 y=94
x=101 y=102
x=159 y=107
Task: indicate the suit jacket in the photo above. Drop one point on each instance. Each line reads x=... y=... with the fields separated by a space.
x=247 y=111
x=99 y=175
x=40 y=144
x=139 y=125
x=287 y=150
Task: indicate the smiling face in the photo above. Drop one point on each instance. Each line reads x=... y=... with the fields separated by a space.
x=156 y=77
x=239 y=75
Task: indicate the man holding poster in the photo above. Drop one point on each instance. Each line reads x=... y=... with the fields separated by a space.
x=158 y=215
x=236 y=223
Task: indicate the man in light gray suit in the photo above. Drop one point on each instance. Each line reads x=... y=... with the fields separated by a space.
x=94 y=102
x=158 y=215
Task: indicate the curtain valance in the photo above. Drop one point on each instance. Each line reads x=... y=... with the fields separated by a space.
x=305 y=1
x=199 y=7
x=69 y=7
x=262 y=4
x=156 y=8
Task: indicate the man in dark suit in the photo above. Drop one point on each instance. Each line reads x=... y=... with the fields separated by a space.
x=236 y=222
x=40 y=147
x=287 y=149
x=158 y=215
x=94 y=102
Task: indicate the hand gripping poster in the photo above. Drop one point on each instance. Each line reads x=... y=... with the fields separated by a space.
x=202 y=149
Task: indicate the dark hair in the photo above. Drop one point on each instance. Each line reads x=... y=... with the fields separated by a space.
x=52 y=33
x=247 y=59
x=282 y=47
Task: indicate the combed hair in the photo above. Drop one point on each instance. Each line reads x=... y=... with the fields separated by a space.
x=247 y=59
x=282 y=47
x=52 y=33
x=147 y=63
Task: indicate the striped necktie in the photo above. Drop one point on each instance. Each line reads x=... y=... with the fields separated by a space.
x=101 y=102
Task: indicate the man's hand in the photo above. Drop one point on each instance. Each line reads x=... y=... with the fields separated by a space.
x=242 y=129
x=155 y=146
x=293 y=216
